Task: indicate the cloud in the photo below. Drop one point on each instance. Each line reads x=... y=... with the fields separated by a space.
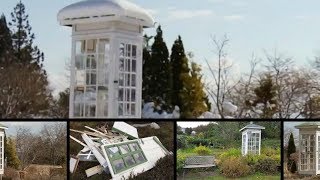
x=179 y=14
x=57 y=83
x=193 y=124
x=233 y=17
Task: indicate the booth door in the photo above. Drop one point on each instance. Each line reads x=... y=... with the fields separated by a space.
x=307 y=152
x=128 y=89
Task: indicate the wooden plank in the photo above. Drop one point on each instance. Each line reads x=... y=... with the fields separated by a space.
x=76 y=140
x=73 y=163
x=95 y=130
x=86 y=132
x=199 y=166
x=94 y=170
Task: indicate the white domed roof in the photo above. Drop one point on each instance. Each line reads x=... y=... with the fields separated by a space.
x=104 y=10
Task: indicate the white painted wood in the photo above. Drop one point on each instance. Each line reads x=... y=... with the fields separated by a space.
x=95 y=150
x=308 y=130
x=94 y=170
x=246 y=143
x=104 y=10
x=126 y=128
x=88 y=22
x=153 y=152
x=73 y=163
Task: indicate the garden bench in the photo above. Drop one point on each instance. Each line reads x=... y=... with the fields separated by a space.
x=198 y=162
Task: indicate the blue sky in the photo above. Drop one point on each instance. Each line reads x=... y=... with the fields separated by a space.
x=290 y=26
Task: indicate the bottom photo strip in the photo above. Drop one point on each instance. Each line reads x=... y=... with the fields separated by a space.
x=121 y=150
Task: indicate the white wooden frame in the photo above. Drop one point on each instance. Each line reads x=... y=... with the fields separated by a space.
x=116 y=33
x=245 y=144
x=315 y=163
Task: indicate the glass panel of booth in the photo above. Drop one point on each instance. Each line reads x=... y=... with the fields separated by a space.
x=92 y=61
x=124 y=156
x=127 y=79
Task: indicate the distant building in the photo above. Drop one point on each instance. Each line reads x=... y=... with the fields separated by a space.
x=183 y=130
x=193 y=133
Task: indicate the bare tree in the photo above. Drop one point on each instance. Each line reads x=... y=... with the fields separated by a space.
x=55 y=136
x=21 y=93
x=242 y=94
x=220 y=74
x=26 y=146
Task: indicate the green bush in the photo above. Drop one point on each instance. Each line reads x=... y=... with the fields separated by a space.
x=269 y=151
x=267 y=165
x=230 y=153
x=182 y=142
x=234 y=167
x=276 y=158
x=202 y=150
x=251 y=159
x=181 y=158
x=272 y=143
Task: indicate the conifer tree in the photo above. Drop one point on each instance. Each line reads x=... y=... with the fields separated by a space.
x=5 y=41
x=147 y=68
x=291 y=149
x=11 y=153
x=192 y=93
x=23 y=38
x=160 y=77
x=23 y=89
x=265 y=94
x=179 y=65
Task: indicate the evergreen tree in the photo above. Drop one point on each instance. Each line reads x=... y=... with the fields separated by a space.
x=291 y=149
x=160 y=73
x=5 y=41
x=11 y=153
x=23 y=38
x=179 y=66
x=192 y=93
x=147 y=69
x=265 y=94
x=23 y=89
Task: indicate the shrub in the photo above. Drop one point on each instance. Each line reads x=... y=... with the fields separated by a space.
x=182 y=142
x=269 y=151
x=202 y=150
x=266 y=165
x=251 y=159
x=230 y=153
x=181 y=158
x=234 y=167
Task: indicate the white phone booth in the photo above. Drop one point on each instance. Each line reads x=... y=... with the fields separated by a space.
x=251 y=139
x=2 y=135
x=309 y=148
x=106 y=61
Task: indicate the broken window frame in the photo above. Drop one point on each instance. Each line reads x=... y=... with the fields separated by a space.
x=122 y=156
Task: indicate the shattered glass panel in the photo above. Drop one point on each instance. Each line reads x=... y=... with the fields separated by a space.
x=129 y=160
x=118 y=165
x=134 y=147
x=124 y=149
x=139 y=158
x=113 y=151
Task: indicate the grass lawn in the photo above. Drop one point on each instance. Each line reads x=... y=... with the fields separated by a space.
x=214 y=175
x=189 y=152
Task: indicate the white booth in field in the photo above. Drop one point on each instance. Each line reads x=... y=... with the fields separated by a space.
x=106 y=61
x=251 y=139
x=2 y=136
x=309 y=148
